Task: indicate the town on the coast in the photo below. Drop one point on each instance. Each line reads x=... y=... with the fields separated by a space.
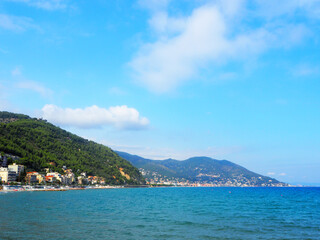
x=14 y=177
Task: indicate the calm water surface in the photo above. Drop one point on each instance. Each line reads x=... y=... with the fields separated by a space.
x=162 y=213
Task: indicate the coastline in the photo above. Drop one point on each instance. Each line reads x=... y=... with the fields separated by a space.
x=63 y=189
x=52 y=189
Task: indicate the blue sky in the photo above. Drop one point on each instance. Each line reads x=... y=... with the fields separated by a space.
x=236 y=80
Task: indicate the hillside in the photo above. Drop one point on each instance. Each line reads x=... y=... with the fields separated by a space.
x=200 y=170
x=38 y=143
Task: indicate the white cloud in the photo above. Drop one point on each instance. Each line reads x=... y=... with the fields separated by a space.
x=16 y=24
x=121 y=117
x=163 y=65
x=36 y=87
x=44 y=4
x=163 y=24
x=208 y=37
x=232 y=8
x=282 y=174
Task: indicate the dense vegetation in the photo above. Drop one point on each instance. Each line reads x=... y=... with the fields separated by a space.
x=195 y=169
x=39 y=145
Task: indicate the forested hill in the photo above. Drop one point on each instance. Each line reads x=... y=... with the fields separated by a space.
x=200 y=169
x=39 y=145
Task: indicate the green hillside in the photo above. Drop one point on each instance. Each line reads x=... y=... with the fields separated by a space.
x=38 y=143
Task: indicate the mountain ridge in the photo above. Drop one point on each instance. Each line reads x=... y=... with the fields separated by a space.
x=200 y=169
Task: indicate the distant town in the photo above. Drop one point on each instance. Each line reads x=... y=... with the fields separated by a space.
x=155 y=178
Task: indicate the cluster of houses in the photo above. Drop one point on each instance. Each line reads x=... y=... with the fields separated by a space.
x=11 y=173
x=67 y=178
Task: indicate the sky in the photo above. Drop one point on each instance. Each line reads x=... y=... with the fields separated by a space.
x=236 y=80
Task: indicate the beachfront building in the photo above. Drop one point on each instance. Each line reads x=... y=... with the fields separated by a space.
x=69 y=177
x=82 y=180
x=55 y=176
x=6 y=175
x=31 y=177
x=16 y=168
x=34 y=177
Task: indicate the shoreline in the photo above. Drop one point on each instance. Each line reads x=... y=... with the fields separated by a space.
x=63 y=189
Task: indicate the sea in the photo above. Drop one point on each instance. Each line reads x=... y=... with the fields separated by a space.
x=162 y=213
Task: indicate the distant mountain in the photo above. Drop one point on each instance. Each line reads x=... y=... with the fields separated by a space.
x=38 y=144
x=200 y=170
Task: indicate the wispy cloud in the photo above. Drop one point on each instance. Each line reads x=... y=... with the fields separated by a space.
x=15 y=23
x=35 y=87
x=186 y=45
x=121 y=117
x=50 y=5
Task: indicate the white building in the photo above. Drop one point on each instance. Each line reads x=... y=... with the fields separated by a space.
x=6 y=175
x=16 y=168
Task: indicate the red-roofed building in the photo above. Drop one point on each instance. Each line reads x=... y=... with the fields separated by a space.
x=34 y=177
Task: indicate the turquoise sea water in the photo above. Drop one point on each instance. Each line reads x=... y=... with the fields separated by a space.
x=162 y=213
